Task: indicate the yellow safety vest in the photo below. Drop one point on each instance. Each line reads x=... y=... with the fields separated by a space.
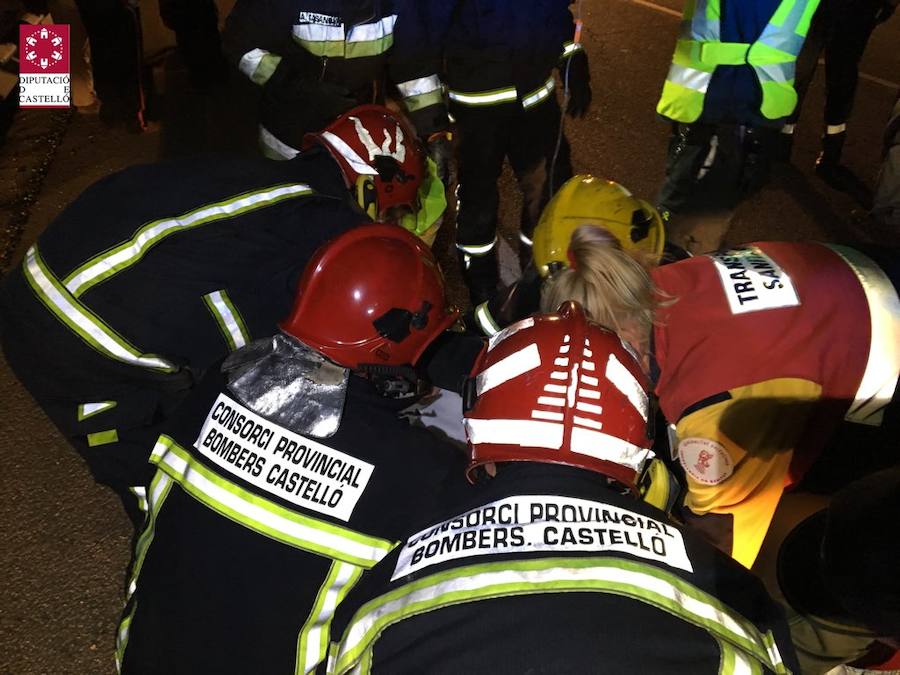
x=699 y=50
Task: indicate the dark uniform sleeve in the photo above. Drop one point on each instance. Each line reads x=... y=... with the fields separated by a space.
x=414 y=65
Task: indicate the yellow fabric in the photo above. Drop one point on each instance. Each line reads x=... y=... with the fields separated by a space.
x=759 y=428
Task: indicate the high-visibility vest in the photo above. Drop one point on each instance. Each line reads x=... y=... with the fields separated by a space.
x=699 y=50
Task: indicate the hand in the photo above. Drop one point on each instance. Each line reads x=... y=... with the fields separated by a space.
x=440 y=150
x=579 y=81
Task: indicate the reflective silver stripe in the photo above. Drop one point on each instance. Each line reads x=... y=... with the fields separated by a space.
x=775 y=72
x=570 y=48
x=832 y=129
x=132 y=251
x=638 y=582
x=477 y=249
x=485 y=321
x=487 y=98
x=274 y=148
x=357 y=163
x=314 y=32
x=539 y=94
x=81 y=320
x=263 y=515
x=86 y=410
x=525 y=240
x=313 y=641
x=258 y=65
x=250 y=61
x=422 y=85
x=228 y=318
x=883 y=366
x=367 y=32
x=140 y=494
x=690 y=78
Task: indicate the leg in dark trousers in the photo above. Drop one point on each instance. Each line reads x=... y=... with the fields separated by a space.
x=114 y=31
x=532 y=159
x=483 y=136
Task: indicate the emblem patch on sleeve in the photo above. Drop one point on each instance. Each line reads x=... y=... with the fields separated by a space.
x=705 y=460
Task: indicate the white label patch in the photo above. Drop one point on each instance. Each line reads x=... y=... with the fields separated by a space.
x=541 y=524
x=287 y=465
x=753 y=281
x=320 y=19
x=705 y=460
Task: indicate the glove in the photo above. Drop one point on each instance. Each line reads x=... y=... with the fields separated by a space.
x=885 y=12
x=440 y=150
x=294 y=103
x=579 y=81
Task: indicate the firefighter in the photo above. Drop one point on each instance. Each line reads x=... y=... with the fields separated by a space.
x=315 y=60
x=729 y=89
x=287 y=474
x=775 y=362
x=550 y=565
x=499 y=69
x=841 y=29
x=155 y=272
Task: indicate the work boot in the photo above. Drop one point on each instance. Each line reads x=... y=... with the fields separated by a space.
x=480 y=274
x=829 y=158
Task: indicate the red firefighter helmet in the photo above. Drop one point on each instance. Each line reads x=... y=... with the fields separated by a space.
x=557 y=388
x=380 y=156
x=373 y=295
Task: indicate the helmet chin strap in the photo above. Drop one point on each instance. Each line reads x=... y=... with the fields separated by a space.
x=396 y=382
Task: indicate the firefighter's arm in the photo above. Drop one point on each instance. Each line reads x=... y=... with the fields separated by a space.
x=736 y=453
x=256 y=37
x=414 y=63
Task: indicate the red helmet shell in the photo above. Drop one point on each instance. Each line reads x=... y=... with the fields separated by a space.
x=370 y=140
x=557 y=388
x=374 y=294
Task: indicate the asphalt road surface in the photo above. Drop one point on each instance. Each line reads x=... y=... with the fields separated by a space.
x=65 y=541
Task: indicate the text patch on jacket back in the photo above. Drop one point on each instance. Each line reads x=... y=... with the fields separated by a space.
x=280 y=462
x=752 y=281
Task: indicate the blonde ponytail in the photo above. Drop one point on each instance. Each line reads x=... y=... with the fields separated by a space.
x=614 y=288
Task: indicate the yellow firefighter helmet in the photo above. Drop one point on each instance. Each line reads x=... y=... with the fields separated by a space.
x=589 y=200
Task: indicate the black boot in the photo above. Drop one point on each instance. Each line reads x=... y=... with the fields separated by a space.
x=480 y=274
x=829 y=159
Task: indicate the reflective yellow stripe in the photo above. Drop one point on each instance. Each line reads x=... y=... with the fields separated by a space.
x=637 y=581
x=263 y=515
x=477 y=249
x=86 y=410
x=258 y=65
x=312 y=644
x=479 y=98
x=229 y=319
x=485 y=321
x=876 y=389
x=102 y=438
x=540 y=94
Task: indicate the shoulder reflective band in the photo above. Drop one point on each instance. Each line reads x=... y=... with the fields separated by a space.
x=86 y=410
x=485 y=321
x=82 y=321
x=479 y=98
x=229 y=319
x=638 y=581
x=160 y=486
x=102 y=438
x=367 y=39
x=876 y=389
x=312 y=644
x=258 y=65
x=264 y=516
x=132 y=251
x=532 y=98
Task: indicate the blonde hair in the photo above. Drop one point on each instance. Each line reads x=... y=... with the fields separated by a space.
x=612 y=285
